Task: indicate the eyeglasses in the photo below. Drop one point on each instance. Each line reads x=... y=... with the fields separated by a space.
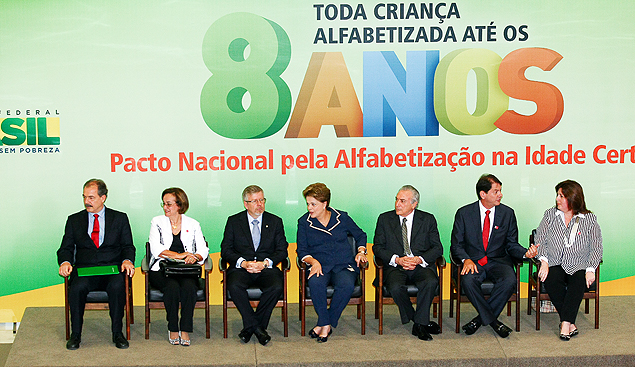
x=163 y=205
x=256 y=201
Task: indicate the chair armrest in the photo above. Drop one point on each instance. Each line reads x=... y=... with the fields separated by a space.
x=144 y=265
x=455 y=261
x=286 y=264
x=441 y=262
x=208 y=265
x=300 y=264
x=222 y=265
x=378 y=262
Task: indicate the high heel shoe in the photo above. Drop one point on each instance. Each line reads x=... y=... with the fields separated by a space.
x=565 y=337
x=313 y=334
x=324 y=339
x=574 y=332
x=175 y=341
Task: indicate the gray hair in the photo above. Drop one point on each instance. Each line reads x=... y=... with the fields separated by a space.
x=251 y=189
x=415 y=193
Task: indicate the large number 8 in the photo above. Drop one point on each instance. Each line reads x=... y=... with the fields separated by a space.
x=246 y=53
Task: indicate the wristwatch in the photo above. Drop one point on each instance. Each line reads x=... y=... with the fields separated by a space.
x=362 y=251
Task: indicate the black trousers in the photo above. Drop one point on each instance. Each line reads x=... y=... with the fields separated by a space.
x=269 y=280
x=504 y=279
x=425 y=279
x=114 y=285
x=177 y=290
x=565 y=291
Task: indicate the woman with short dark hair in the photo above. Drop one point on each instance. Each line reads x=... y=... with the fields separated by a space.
x=323 y=245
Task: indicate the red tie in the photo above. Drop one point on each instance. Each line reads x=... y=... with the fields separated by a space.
x=483 y=261
x=95 y=235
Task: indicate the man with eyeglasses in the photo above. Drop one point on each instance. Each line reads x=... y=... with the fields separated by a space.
x=96 y=236
x=253 y=244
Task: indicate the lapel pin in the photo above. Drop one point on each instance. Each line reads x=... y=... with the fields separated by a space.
x=495 y=227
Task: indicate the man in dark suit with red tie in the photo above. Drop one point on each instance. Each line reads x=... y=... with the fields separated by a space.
x=407 y=241
x=93 y=237
x=485 y=238
x=253 y=244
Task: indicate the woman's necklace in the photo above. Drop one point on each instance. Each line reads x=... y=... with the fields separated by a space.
x=176 y=224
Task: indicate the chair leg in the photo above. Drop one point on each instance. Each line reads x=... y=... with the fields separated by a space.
x=509 y=308
x=363 y=310
x=586 y=306
x=538 y=285
x=67 y=309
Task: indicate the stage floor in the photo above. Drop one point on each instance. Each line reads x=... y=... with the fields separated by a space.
x=40 y=341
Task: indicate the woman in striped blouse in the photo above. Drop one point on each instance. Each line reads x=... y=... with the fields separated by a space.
x=569 y=249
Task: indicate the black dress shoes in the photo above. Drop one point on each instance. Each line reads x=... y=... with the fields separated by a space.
x=313 y=334
x=120 y=341
x=501 y=329
x=471 y=327
x=262 y=335
x=245 y=335
x=420 y=332
x=73 y=342
x=433 y=328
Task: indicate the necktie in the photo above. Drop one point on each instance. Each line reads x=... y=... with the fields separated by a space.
x=483 y=261
x=95 y=235
x=255 y=234
x=404 y=237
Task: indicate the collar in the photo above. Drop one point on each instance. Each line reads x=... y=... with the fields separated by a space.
x=100 y=213
x=335 y=215
x=483 y=209
x=251 y=219
x=561 y=214
x=408 y=217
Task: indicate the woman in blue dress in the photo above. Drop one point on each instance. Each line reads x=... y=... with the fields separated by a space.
x=323 y=245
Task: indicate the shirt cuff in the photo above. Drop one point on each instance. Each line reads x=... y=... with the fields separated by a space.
x=423 y=262
x=239 y=262
x=543 y=258
x=269 y=262
x=393 y=261
x=590 y=270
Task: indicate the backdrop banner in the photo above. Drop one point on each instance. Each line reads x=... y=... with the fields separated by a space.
x=212 y=96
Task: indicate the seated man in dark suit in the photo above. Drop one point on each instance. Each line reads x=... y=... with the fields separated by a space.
x=93 y=237
x=485 y=238
x=253 y=244
x=407 y=241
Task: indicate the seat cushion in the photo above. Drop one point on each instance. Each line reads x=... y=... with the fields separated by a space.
x=254 y=294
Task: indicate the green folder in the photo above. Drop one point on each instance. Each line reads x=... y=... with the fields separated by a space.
x=98 y=270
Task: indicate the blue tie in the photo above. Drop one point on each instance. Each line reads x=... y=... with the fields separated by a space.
x=255 y=234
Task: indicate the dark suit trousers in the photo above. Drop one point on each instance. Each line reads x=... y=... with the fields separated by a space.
x=114 y=285
x=426 y=281
x=504 y=280
x=177 y=290
x=269 y=280
x=566 y=291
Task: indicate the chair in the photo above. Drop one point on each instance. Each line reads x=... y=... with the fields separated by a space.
x=357 y=298
x=154 y=297
x=98 y=300
x=254 y=294
x=540 y=294
x=458 y=295
x=383 y=296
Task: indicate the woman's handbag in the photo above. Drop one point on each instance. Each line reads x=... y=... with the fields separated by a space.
x=171 y=269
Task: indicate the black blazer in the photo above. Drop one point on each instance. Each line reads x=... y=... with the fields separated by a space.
x=424 y=237
x=467 y=235
x=78 y=249
x=237 y=240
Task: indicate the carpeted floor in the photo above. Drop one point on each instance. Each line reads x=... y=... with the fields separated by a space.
x=40 y=342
